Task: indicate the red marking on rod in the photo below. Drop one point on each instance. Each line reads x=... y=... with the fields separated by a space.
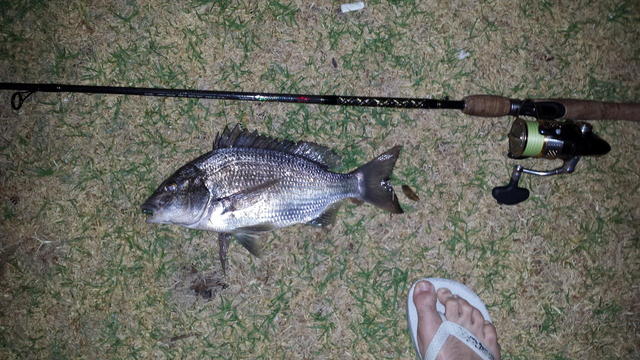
x=303 y=98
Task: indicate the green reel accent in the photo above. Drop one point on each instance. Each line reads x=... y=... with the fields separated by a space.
x=535 y=141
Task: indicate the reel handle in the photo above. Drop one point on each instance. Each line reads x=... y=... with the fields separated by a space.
x=511 y=194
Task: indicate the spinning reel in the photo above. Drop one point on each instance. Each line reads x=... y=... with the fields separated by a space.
x=548 y=139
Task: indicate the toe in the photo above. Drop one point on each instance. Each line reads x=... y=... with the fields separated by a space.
x=443 y=293
x=465 y=310
x=477 y=322
x=451 y=304
x=489 y=332
x=491 y=339
x=424 y=296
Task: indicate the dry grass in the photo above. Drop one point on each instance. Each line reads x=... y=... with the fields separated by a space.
x=83 y=276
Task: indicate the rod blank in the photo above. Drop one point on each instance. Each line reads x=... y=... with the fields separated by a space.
x=408 y=103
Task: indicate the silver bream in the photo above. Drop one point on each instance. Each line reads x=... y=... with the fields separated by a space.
x=249 y=184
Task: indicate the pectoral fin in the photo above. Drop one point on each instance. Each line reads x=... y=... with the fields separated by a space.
x=247 y=197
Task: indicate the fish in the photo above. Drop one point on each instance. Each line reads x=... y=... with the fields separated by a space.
x=249 y=184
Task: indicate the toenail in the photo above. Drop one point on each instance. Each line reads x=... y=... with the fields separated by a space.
x=421 y=286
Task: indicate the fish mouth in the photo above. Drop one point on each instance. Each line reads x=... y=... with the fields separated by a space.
x=149 y=210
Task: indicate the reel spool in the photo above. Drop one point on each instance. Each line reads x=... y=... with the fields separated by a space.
x=548 y=139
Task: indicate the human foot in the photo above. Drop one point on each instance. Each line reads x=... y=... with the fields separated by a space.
x=459 y=315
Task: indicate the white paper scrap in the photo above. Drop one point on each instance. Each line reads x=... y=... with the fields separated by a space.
x=462 y=54
x=352 y=6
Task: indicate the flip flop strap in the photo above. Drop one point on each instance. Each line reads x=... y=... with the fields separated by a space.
x=449 y=328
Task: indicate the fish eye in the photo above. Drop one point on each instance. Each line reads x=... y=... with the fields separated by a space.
x=171 y=187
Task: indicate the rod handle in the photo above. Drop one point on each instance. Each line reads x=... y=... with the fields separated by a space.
x=486 y=105
x=495 y=106
x=597 y=110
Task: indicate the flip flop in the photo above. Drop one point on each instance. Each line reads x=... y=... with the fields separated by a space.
x=447 y=328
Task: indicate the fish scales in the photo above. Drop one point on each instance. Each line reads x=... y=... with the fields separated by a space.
x=303 y=191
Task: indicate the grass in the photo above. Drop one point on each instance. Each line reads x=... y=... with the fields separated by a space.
x=84 y=277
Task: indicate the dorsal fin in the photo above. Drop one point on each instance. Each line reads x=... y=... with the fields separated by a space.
x=240 y=138
x=318 y=153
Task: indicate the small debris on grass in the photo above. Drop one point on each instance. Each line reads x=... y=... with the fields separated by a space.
x=172 y=341
x=207 y=286
x=408 y=192
x=6 y=254
x=463 y=54
x=334 y=63
x=181 y=337
x=344 y=8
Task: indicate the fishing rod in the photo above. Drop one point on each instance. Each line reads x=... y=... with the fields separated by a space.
x=546 y=137
x=475 y=105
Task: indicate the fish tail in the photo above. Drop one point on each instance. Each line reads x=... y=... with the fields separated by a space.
x=373 y=184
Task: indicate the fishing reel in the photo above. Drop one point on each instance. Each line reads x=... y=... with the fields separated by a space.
x=548 y=139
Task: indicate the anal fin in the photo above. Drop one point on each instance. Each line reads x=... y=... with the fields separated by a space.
x=327 y=218
x=248 y=237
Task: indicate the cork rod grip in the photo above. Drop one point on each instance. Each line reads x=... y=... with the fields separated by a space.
x=486 y=105
x=596 y=110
